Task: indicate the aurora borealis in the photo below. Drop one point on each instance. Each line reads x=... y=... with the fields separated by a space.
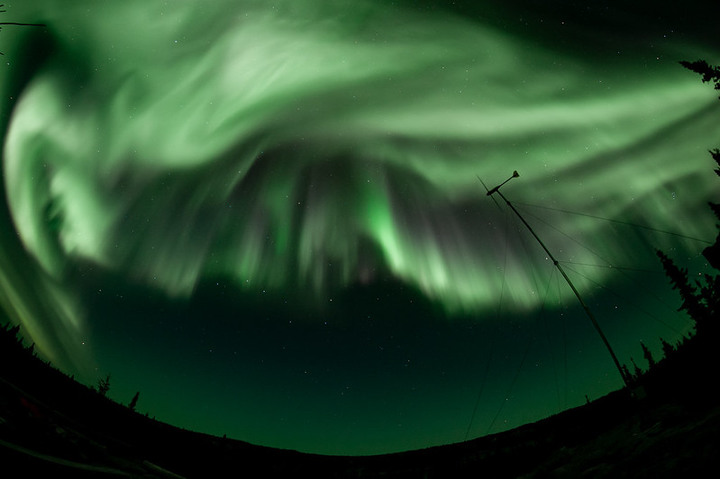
x=266 y=216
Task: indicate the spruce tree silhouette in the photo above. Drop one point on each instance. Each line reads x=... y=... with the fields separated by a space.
x=702 y=300
x=637 y=371
x=647 y=354
x=712 y=253
x=691 y=301
x=104 y=386
x=133 y=401
x=709 y=73
x=667 y=348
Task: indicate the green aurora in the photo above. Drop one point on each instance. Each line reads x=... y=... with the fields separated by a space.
x=207 y=201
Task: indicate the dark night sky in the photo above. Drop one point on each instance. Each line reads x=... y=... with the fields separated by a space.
x=266 y=216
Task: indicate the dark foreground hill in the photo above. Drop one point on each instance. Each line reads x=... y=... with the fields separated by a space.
x=50 y=424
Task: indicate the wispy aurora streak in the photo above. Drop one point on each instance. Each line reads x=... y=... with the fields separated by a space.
x=308 y=146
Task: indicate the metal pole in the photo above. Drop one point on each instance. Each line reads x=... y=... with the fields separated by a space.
x=565 y=276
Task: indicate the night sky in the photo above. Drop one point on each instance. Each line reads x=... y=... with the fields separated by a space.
x=266 y=216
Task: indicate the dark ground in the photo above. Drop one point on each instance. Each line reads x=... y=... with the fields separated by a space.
x=50 y=424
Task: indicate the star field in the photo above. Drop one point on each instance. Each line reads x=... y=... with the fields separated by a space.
x=268 y=220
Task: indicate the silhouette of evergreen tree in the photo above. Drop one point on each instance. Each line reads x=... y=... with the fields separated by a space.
x=637 y=371
x=647 y=354
x=104 y=386
x=134 y=400
x=691 y=301
x=626 y=372
x=709 y=73
x=11 y=340
x=712 y=253
x=700 y=300
x=667 y=348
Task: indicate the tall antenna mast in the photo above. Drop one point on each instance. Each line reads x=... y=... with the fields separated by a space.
x=565 y=276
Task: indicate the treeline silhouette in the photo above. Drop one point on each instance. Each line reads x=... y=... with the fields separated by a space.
x=683 y=369
x=43 y=409
x=18 y=362
x=47 y=413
